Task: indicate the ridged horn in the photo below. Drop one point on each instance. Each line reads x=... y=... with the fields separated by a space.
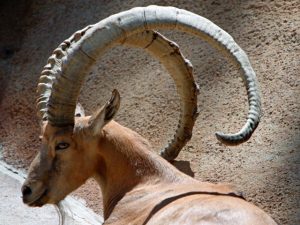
x=181 y=70
x=66 y=70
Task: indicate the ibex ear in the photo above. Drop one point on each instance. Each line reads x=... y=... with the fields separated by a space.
x=105 y=114
x=79 y=111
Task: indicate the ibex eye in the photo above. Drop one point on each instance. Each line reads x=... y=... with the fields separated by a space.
x=61 y=146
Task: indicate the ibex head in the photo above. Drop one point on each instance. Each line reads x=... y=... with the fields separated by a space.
x=63 y=163
x=68 y=155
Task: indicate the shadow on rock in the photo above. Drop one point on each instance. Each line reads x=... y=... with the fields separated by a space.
x=185 y=167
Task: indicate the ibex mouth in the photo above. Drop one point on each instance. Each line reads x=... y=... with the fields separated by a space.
x=38 y=201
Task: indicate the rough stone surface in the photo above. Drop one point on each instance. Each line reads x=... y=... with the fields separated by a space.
x=266 y=168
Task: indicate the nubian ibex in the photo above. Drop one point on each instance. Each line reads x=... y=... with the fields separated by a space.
x=138 y=186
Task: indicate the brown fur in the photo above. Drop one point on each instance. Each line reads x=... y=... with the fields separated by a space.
x=138 y=186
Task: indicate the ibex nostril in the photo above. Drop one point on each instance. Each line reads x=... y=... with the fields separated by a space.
x=26 y=190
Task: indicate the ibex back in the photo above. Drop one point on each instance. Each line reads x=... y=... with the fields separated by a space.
x=138 y=186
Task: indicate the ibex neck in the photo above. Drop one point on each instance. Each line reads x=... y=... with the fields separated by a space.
x=126 y=162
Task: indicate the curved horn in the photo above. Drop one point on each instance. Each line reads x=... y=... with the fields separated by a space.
x=64 y=74
x=181 y=70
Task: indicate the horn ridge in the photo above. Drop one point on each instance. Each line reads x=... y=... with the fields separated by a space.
x=90 y=43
